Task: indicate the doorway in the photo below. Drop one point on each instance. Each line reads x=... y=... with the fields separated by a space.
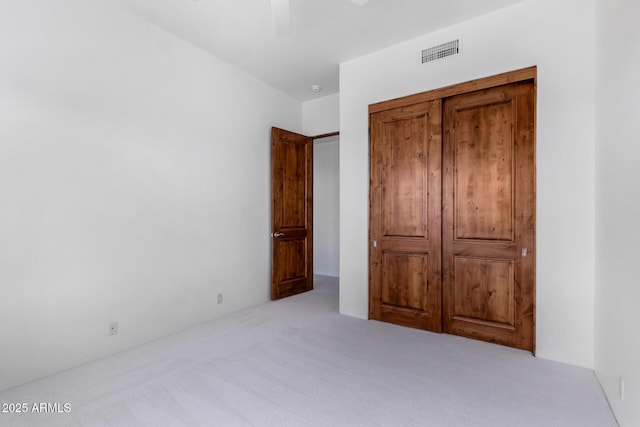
x=326 y=206
x=293 y=209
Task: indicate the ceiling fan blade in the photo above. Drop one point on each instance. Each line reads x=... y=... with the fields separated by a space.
x=359 y=2
x=281 y=11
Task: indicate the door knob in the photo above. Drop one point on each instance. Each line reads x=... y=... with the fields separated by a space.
x=278 y=234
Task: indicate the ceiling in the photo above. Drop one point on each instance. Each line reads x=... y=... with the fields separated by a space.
x=325 y=33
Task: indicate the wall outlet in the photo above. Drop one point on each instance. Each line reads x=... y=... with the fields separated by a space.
x=621 y=388
x=220 y=298
x=113 y=328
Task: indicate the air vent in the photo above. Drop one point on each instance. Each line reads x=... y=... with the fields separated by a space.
x=441 y=51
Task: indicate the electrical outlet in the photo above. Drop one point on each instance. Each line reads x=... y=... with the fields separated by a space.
x=220 y=298
x=621 y=388
x=113 y=328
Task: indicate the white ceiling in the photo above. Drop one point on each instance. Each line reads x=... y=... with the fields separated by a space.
x=325 y=32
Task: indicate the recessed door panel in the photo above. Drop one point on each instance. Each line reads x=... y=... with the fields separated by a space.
x=404 y=280
x=483 y=168
x=483 y=291
x=294 y=185
x=404 y=190
x=293 y=254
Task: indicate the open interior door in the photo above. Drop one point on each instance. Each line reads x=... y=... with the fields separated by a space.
x=291 y=213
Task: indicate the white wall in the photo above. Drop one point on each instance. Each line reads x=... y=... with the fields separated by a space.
x=618 y=205
x=557 y=36
x=134 y=180
x=321 y=115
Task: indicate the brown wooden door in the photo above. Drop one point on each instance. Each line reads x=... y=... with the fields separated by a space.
x=291 y=213
x=405 y=227
x=489 y=215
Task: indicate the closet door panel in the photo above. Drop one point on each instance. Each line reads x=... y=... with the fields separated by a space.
x=405 y=226
x=488 y=216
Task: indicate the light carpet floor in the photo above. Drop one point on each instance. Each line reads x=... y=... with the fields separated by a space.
x=297 y=362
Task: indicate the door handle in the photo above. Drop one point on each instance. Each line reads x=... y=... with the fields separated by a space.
x=277 y=235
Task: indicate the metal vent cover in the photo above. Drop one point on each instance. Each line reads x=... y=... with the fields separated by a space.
x=441 y=51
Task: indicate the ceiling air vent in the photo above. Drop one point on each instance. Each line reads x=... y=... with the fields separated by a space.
x=441 y=51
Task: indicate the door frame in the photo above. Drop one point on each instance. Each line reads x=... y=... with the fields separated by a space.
x=521 y=75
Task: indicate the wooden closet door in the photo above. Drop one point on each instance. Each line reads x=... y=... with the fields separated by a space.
x=405 y=211
x=489 y=215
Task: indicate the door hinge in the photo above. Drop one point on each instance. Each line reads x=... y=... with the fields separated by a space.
x=524 y=252
x=375 y=244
